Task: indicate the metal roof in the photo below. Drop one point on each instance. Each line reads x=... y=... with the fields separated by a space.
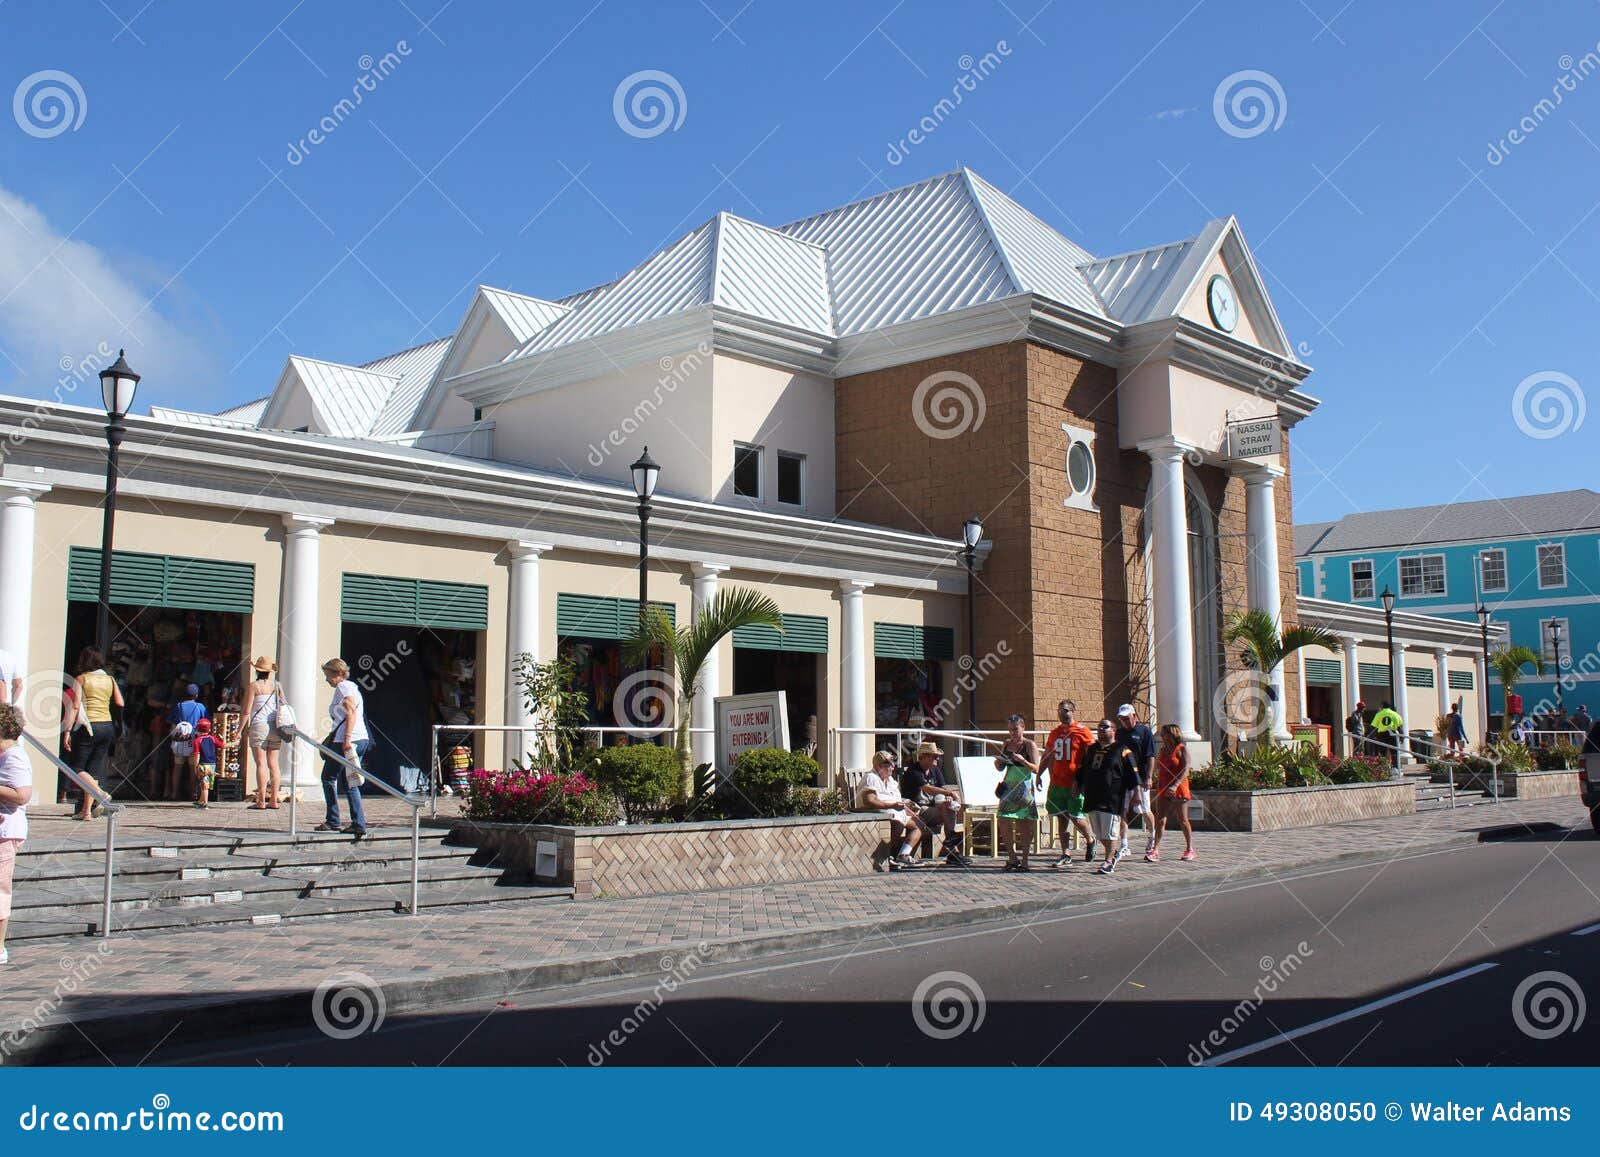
x=348 y=398
x=240 y=417
x=1042 y=261
x=524 y=316
x=763 y=272
x=415 y=369
x=1562 y=512
x=1131 y=284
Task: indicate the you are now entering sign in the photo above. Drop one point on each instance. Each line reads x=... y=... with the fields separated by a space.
x=749 y=721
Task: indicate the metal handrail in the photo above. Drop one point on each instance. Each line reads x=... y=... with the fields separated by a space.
x=1493 y=761
x=111 y=808
x=352 y=765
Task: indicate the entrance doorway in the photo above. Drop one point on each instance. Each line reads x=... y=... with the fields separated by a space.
x=792 y=672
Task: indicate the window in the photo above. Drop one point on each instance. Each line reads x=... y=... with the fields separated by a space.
x=1552 y=565
x=791 y=478
x=1362 y=587
x=1080 y=468
x=747 y=471
x=1421 y=575
x=1547 y=640
x=1492 y=569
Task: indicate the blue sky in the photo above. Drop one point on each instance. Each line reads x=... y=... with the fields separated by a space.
x=1423 y=281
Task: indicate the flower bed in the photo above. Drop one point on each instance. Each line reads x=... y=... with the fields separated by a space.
x=1272 y=809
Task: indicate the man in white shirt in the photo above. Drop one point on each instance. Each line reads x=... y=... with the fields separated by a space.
x=880 y=791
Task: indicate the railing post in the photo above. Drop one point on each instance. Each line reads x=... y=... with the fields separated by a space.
x=294 y=793
x=111 y=852
x=416 y=855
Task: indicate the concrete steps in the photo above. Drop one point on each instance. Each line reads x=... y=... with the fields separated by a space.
x=206 y=880
x=1433 y=793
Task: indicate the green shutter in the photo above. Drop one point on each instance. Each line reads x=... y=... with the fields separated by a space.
x=1419 y=677
x=406 y=602
x=800 y=633
x=160 y=580
x=912 y=641
x=599 y=617
x=1374 y=674
x=1461 y=680
x=1324 y=671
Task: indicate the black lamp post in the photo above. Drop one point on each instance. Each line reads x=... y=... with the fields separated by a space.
x=971 y=536
x=645 y=472
x=1388 y=624
x=1555 y=643
x=1483 y=628
x=118 y=383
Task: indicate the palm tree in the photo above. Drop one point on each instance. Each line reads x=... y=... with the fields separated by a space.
x=1263 y=647
x=1508 y=662
x=684 y=651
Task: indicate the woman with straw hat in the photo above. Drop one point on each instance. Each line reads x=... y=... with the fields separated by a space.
x=263 y=695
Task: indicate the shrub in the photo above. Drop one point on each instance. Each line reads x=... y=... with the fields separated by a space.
x=1558 y=757
x=766 y=781
x=1513 y=756
x=813 y=801
x=1265 y=767
x=1354 y=769
x=643 y=776
x=533 y=796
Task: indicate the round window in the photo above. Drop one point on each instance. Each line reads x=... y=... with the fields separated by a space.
x=1080 y=468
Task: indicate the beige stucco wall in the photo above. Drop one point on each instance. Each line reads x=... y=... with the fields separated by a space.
x=1421 y=704
x=1158 y=400
x=778 y=410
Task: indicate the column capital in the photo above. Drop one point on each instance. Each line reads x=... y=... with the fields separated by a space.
x=306 y=523
x=18 y=490
x=853 y=586
x=1441 y=653
x=1258 y=475
x=1350 y=640
x=520 y=548
x=1166 y=449
x=709 y=569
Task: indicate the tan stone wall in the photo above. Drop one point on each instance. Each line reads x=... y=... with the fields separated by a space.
x=1303 y=807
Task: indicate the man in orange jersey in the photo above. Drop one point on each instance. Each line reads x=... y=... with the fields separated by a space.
x=1063 y=752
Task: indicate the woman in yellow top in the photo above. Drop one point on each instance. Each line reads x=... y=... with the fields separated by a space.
x=89 y=736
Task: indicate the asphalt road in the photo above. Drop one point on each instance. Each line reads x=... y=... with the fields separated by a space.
x=1419 y=961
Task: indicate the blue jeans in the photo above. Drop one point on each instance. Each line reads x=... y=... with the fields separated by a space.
x=333 y=776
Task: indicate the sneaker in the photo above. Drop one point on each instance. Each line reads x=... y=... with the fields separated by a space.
x=1152 y=857
x=1088 y=853
x=1023 y=868
x=1064 y=862
x=1122 y=849
x=1188 y=854
x=5 y=956
x=1107 y=868
x=1008 y=866
x=957 y=860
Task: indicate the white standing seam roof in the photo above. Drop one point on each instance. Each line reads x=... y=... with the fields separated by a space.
x=414 y=368
x=1042 y=261
x=1131 y=284
x=765 y=273
x=524 y=316
x=347 y=398
x=243 y=417
x=249 y=413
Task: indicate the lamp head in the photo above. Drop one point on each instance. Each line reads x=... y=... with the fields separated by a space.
x=118 y=384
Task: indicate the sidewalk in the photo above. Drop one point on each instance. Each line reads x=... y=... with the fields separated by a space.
x=70 y=1001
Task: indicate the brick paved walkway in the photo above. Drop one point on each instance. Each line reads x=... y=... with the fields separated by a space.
x=173 y=974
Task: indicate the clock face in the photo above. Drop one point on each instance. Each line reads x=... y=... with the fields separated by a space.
x=1224 y=306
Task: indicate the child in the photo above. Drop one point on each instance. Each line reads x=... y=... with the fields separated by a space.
x=205 y=757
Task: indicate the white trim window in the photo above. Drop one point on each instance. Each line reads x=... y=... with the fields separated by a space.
x=1552 y=564
x=1547 y=649
x=791 y=478
x=1421 y=575
x=1363 y=581
x=1080 y=468
x=1493 y=579
x=748 y=468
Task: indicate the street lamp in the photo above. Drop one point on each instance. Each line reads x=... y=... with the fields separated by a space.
x=645 y=472
x=1483 y=627
x=1555 y=643
x=1394 y=699
x=118 y=383
x=971 y=536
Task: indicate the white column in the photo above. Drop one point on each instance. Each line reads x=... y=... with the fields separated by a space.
x=298 y=637
x=522 y=637
x=1352 y=684
x=855 y=678
x=1169 y=556
x=16 y=569
x=703 y=719
x=1261 y=530
x=1441 y=681
x=1300 y=677
x=1480 y=672
x=1402 y=698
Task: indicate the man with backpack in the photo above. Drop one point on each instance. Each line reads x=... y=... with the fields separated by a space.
x=183 y=720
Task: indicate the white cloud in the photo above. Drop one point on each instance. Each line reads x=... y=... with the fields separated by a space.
x=63 y=301
x=1171 y=114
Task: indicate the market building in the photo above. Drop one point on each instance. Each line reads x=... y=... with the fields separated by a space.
x=830 y=400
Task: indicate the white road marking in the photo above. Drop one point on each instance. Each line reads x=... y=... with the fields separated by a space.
x=1588 y=930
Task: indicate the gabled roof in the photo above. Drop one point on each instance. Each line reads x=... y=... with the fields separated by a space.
x=1132 y=284
x=1536 y=515
x=524 y=316
x=414 y=370
x=346 y=398
x=243 y=417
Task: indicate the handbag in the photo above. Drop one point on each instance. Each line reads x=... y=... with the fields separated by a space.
x=284 y=721
x=1018 y=796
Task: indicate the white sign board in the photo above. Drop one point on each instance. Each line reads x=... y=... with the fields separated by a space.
x=978 y=778
x=1258 y=438
x=749 y=721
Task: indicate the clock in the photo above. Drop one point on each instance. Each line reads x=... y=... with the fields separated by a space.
x=1223 y=305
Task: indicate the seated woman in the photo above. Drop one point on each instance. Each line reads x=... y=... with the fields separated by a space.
x=880 y=791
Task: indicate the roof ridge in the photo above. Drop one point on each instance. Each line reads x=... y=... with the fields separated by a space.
x=398 y=353
x=774 y=230
x=960 y=169
x=1110 y=257
x=361 y=369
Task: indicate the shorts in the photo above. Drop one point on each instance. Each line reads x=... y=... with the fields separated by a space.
x=1139 y=799
x=262 y=737
x=899 y=816
x=1174 y=791
x=1106 y=826
x=1063 y=801
x=8 y=861
x=208 y=775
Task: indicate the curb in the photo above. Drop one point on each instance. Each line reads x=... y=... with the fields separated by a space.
x=221 y=1016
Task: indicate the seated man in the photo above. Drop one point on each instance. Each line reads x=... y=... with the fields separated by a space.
x=880 y=792
x=923 y=783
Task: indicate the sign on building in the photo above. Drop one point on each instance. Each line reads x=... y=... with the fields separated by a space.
x=1256 y=438
x=749 y=721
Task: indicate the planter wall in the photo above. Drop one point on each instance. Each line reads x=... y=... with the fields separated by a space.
x=1525 y=784
x=651 y=859
x=1303 y=807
